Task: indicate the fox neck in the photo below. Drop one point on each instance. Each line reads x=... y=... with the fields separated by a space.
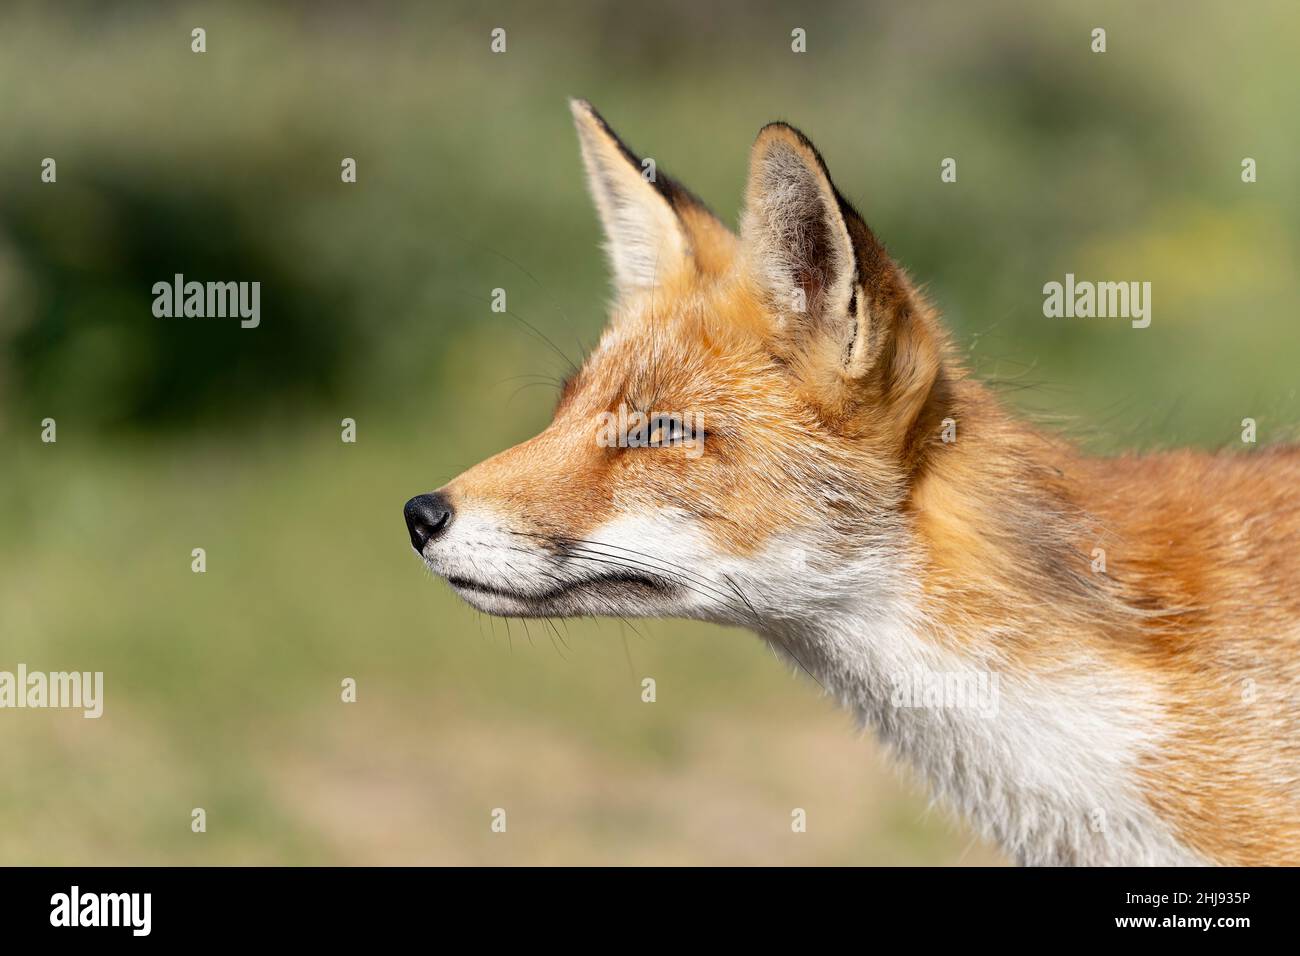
x=1047 y=769
x=1007 y=703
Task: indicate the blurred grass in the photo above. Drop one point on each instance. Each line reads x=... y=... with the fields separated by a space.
x=222 y=688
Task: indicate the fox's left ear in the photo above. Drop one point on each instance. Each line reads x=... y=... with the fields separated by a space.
x=654 y=228
x=829 y=281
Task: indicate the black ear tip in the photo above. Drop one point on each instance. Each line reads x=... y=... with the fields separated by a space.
x=784 y=127
x=801 y=139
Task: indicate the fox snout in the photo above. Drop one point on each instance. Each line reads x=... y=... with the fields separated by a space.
x=428 y=516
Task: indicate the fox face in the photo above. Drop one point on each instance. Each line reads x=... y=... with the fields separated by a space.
x=750 y=418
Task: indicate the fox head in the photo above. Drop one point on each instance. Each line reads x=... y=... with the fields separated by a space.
x=742 y=443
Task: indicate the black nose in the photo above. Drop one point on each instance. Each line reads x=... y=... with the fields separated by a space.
x=427 y=516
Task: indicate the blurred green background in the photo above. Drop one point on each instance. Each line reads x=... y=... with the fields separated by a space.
x=222 y=689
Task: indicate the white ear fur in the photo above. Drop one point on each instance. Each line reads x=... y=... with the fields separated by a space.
x=793 y=232
x=644 y=236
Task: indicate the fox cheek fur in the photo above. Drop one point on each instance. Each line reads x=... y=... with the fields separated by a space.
x=874 y=513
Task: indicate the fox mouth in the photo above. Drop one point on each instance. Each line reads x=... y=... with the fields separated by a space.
x=604 y=585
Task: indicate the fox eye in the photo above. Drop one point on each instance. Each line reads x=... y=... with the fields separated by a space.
x=666 y=430
x=658 y=430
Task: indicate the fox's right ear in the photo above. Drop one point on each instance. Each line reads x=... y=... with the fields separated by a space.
x=654 y=228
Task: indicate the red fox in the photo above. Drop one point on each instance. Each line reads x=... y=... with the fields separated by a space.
x=1094 y=661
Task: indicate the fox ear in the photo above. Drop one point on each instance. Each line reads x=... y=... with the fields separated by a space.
x=812 y=254
x=654 y=228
